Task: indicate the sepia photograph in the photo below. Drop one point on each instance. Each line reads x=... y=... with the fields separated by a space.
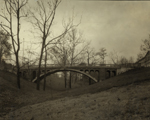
x=74 y=60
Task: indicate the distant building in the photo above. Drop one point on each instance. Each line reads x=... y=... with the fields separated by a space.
x=145 y=61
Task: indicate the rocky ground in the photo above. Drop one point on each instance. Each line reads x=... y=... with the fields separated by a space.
x=125 y=97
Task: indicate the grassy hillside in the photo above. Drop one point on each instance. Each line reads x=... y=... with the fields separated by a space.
x=14 y=98
x=132 y=88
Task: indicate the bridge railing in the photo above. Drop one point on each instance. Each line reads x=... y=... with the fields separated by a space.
x=75 y=65
x=85 y=65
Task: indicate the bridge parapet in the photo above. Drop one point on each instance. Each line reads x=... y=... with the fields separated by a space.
x=56 y=66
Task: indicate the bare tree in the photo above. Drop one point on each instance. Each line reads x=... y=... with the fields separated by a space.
x=123 y=60
x=140 y=56
x=91 y=56
x=114 y=56
x=45 y=70
x=131 y=60
x=70 y=50
x=5 y=46
x=145 y=45
x=14 y=10
x=59 y=54
x=102 y=54
x=77 y=46
x=42 y=20
x=75 y=42
x=27 y=58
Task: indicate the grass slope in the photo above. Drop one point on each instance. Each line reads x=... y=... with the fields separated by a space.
x=12 y=98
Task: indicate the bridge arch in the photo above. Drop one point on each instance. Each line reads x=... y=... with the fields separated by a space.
x=60 y=70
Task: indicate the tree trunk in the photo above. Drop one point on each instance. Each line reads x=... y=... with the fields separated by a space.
x=18 y=71
x=70 y=80
x=39 y=69
x=45 y=70
x=51 y=87
x=88 y=59
x=76 y=77
x=18 y=41
x=65 y=78
x=90 y=78
x=1 y=53
x=44 y=86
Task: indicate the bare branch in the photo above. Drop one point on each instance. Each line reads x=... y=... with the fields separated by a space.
x=5 y=18
x=23 y=3
x=5 y=26
x=58 y=37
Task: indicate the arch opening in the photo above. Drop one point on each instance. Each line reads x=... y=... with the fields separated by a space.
x=108 y=74
x=33 y=74
x=113 y=73
x=61 y=70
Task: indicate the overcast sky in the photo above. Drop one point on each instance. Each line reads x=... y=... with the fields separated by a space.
x=115 y=25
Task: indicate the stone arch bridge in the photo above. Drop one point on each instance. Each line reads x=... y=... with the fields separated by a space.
x=96 y=73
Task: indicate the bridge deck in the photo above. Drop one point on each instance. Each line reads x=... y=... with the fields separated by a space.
x=74 y=67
